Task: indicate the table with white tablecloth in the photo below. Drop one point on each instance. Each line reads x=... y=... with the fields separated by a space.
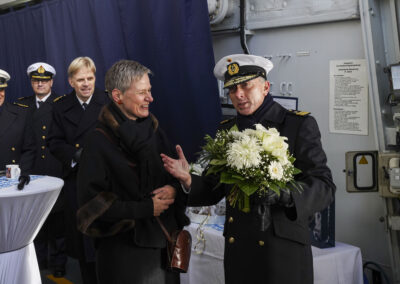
x=22 y=214
x=340 y=264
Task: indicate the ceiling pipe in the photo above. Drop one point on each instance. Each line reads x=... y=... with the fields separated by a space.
x=243 y=40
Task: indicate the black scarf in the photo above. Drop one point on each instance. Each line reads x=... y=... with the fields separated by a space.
x=138 y=139
x=248 y=121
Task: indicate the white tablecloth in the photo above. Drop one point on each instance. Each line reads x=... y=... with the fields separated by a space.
x=338 y=265
x=22 y=214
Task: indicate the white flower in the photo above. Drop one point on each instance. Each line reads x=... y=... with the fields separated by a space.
x=275 y=170
x=250 y=132
x=244 y=153
x=260 y=127
x=236 y=134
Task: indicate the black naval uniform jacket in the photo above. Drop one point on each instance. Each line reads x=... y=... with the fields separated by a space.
x=17 y=144
x=70 y=125
x=45 y=162
x=282 y=253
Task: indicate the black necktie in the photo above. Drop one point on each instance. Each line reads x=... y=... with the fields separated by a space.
x=39 y=103
x=84 y=105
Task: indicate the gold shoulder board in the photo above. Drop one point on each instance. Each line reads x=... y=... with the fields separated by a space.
x=56 y=99
x=21 y=105
x=225 y=121
x=299 y=112
x=21 y=98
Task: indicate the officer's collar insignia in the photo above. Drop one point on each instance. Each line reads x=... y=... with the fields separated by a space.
x=233 y=68
x=41 y=70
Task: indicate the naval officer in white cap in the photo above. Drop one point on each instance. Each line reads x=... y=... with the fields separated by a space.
x=17 y=145
x=269 y=248
x=50 y=242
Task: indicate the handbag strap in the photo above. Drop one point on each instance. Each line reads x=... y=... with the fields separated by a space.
x=167 y=235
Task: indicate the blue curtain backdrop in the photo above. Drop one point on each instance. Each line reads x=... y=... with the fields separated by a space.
x=171 y=37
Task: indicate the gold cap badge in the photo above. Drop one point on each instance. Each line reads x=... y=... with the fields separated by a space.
x=41 y=70
x=233 y=69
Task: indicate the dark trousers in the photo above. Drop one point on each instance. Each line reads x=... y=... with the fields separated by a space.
x=50 y=243
x=88 y=272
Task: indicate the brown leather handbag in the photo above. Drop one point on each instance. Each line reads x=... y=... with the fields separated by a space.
x=178 y=249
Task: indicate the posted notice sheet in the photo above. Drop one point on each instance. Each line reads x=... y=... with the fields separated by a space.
x=348 y=97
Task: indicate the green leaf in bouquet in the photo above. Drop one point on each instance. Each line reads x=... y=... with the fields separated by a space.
x=214 y=169
x=247 y=188
x=296 y=186
x=296 y=171
x=237 y=197
x=234 y=128
x=217 y=162
x=274 y=187
x=237 y=177
x=244 y=203
x=228 y=178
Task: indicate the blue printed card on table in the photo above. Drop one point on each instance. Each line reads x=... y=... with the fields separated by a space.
x=7 y=182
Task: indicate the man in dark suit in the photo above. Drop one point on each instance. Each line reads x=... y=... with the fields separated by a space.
x=75 y=115
x=17 y=145
x=259 y=247
x=50 y=241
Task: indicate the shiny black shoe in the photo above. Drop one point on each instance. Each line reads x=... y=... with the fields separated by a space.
x=59 y=272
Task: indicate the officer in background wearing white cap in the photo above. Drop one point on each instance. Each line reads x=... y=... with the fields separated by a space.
x=17 y=145
x=262 y=248
x=50 y=242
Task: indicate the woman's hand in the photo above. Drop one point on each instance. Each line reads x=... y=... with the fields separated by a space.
x=178 y=168
x=160 y=205
x=165 y=192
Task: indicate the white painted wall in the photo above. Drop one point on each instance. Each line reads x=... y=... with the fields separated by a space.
x=357 y=214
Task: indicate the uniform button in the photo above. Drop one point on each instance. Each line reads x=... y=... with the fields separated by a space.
x=43 y=147
x=43 y=156
x=77 y=145
x=44 y=127
x=231 y=240
x=13 y=161
x=230 y=220
x=43 y=137
x=261 y=243
x=12 y=149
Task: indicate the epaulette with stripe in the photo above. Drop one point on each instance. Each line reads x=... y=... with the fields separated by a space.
x=21 y=105
x=58 y=98
x=299 y=112
x=226 y=121
x=22 y=98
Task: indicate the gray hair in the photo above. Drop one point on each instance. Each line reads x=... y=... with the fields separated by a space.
x=121 y=75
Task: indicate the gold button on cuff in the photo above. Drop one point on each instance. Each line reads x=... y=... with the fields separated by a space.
x=43 y=137
x=13 y=161
x=44 y=127
x=230 y=220
x=43 y=147
x=12 y=149
x=43 y=156
x=77 y=145
x=231 y=240
x=261 y=243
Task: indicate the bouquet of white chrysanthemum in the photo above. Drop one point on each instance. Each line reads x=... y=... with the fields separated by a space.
x=253 y=160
